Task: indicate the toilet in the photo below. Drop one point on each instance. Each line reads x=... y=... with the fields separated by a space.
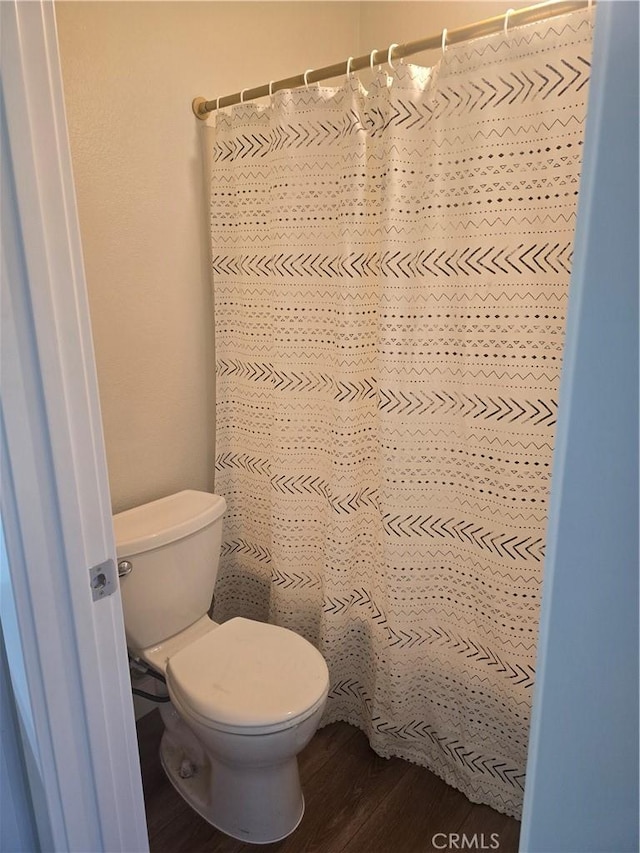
x=245 y=696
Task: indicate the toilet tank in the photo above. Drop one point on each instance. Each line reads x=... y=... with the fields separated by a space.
x=173 y=545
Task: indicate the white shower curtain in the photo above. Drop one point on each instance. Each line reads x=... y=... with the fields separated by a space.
x=390 y=273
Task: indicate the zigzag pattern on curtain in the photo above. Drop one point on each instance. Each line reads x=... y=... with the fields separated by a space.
x=390 y=273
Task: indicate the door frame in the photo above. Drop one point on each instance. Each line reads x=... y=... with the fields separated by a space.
x=64 y=637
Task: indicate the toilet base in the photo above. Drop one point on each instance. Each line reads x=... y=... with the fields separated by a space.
x=257 y=805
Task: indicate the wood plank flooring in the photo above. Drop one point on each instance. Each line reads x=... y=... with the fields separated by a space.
x=356 y=802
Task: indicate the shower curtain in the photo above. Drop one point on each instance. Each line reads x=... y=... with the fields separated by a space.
x=390 y=270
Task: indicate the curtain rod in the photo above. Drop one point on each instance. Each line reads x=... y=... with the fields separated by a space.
x=540 y=12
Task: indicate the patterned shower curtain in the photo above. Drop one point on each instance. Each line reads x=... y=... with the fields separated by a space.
x=390 y=272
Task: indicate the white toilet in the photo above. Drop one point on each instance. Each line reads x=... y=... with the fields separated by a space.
x=246 y=696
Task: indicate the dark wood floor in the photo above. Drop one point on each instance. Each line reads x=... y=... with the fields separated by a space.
x=356 y=802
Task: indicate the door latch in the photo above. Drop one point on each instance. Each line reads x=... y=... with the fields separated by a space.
x=102 y=579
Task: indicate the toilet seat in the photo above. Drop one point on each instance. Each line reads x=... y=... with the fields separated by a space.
x=249 y=677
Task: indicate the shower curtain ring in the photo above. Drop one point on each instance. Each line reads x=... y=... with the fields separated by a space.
x=389 y=52
x=306 y=75
x=444 y=40
x=349 y=61
x=217 y=103
x=371 y=55
x=270 y=88
x=242 y=96
x=506 y=20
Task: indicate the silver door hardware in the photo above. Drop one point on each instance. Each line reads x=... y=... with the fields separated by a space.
x=102 y=579
x=124 y=568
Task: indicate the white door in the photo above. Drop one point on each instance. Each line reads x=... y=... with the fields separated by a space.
x=60 y=604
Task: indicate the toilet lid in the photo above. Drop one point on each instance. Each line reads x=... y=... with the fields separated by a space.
x=248 y=673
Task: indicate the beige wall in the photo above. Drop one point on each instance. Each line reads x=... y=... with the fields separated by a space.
x=387 y=21
x=130 y=70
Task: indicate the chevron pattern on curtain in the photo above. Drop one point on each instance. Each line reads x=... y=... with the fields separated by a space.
x=390 y=272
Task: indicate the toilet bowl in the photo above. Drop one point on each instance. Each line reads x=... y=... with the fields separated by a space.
x=260 y=705
x=246 y=696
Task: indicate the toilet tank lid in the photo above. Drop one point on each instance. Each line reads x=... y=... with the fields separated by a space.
x=160 y=522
